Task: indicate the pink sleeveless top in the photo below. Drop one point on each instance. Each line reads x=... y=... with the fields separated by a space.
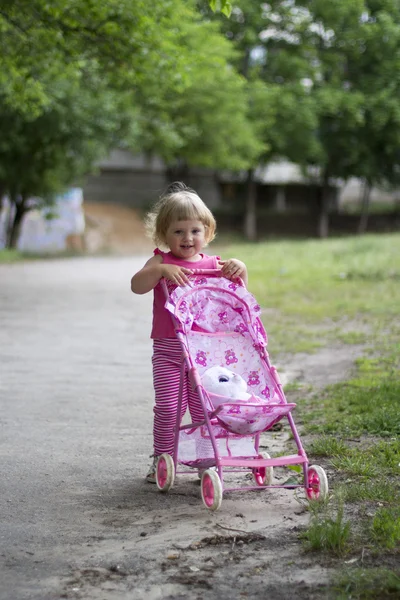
x=163 y=326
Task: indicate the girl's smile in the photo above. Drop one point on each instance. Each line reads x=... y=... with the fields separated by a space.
x=186 y=239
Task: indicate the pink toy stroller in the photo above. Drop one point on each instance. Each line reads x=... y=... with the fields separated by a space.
x=218 y=324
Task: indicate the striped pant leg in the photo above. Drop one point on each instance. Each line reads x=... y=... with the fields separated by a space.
x=194 y=402
x=167 y=361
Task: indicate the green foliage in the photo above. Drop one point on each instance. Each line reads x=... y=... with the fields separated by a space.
x=328 y=532
x=306 y=282
x=368 y=584
x=385 y=527
x=78 y=78
x=383 y=454
x=329 y=446
x=225 y=6
x=10 y=256
x=358 y=407
x=333 y=104
x=377 y=489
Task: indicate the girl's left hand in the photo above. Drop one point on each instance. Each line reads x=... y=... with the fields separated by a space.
x=233 y=269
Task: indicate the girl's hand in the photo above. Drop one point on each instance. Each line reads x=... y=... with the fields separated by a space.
x=177 y=275
x=233 y=269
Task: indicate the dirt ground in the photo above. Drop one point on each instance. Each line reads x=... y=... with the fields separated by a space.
x=78 y=521
x=115 y=229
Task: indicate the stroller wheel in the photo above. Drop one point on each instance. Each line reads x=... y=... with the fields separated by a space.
x=165 y=472
x=263 y=475
x=211 y=489
x=317 y=484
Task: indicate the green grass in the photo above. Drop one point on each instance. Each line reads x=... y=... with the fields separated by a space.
x=368 y=584
x=328 y=530
x=323 y=283
x=376 y=490
x=385 y=527
x=359 y=425
x=317 y=278
x=14 y=256
x=10 y=256
x=367 y=404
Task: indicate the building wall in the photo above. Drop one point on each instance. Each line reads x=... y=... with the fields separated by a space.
x=137 y=182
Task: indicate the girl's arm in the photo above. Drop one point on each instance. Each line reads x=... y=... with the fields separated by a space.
x=147 y=278
x=234 y=268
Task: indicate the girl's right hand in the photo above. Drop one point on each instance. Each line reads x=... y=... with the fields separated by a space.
x=177 y=275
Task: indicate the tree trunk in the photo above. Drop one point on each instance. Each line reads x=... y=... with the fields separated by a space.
x=323 y=217
x=365 y=201
x=250 y=220
x=2 y=192
x=14 y=224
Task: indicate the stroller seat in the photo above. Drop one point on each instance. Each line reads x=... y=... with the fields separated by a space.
x=247 y=417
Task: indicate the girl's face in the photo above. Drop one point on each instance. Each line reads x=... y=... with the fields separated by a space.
x=186 y=239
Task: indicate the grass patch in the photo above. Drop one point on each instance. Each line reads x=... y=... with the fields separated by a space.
x=380 y=458
x=318 y=278
x=353 y=337
x=307 y=282
x=368 y=584
x=365 y=409
x=385 y=528
x=367 y=404
x=329 y=446
x=10 y=256
x=376 y=490
x=328 y=530
x=13 y=256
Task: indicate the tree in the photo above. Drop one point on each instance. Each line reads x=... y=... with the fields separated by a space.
x=43 y=43
x=342 y=57
x=168 y=70
x=207 y=121
x=282 y=110
x=41 y=156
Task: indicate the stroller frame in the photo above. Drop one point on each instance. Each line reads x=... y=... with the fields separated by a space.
x=314 y=482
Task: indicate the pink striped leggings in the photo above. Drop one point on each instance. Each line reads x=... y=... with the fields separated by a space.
x=167 y=361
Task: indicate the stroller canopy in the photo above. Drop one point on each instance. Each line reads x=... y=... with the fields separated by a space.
x=217 y=305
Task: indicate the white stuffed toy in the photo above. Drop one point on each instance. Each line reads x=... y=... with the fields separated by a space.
x=221 y=381
x=236 y=410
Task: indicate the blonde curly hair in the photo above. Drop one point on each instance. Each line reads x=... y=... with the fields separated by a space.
x=178 y=203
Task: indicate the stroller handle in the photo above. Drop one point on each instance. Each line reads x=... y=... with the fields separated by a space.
x=212 y=273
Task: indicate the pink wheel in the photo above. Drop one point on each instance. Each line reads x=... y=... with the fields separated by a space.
x=211 y=489
x=165 y=472
x=263 y=475
x=317 y=484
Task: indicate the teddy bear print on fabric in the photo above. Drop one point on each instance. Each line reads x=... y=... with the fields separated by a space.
x=266 y=393
x=230 y=357
x=223 y=317
x=254 y=378
x=201 y=358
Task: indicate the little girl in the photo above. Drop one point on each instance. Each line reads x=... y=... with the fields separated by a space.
x=181 y=222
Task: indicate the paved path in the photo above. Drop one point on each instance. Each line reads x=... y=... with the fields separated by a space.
x=76 y=399
x=77 y=519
